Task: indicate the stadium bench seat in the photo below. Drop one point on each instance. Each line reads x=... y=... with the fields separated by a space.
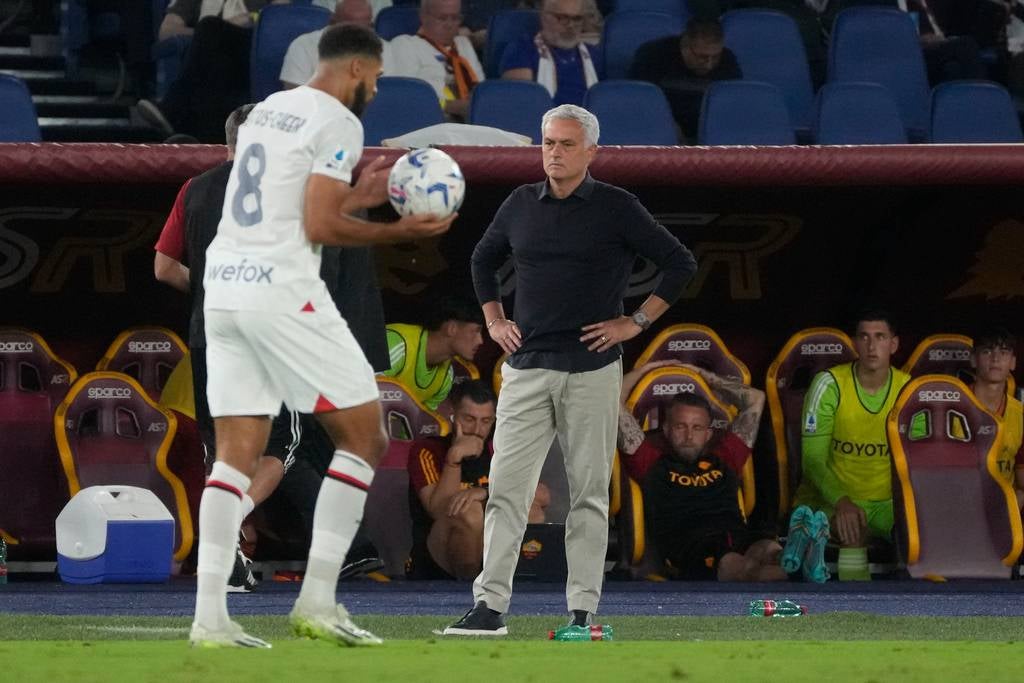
x=624 y=32
x=857 y=114
x=646 y=402
x=696 y=345
x=881 y=45
x=146 y=354
x=109 y=431
x=615 y=103
x=515 y=106
x=941 y=354
x=744 y=113
x=387 y=517
x=397 y=21
x=768 y=48
x=278 y=26
x=955 y=516
x=507 y=26
x=401 y=106
x=18 y=120
x=33 y=382
x=973 y=112
x=805 y=354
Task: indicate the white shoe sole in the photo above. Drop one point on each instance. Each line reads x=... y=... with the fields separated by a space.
x=452 y=631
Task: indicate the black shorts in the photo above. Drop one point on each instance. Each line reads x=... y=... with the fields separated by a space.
x=285 y=436
x=695 y=556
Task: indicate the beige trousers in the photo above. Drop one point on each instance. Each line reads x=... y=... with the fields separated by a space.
x=534 y=407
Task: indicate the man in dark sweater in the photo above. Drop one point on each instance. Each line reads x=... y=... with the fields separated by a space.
x=573 y=242
x=683 y=68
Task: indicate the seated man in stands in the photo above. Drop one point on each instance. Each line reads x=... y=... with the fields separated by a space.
x=845 y=450
x=439 y=56
x=448 y=489
x=993 y=360
x=421 y=357
x=557 y=57
x=301 y=58
x=690 y=481
x=684 y=67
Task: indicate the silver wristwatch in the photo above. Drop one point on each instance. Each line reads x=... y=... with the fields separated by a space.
x=641 y=319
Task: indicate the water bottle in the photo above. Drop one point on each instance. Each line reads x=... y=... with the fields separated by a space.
x=582 y=633
x=776 y=608
x=3 y=561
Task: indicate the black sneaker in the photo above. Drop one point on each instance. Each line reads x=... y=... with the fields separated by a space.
x=241 y=579
x=581 y=617
x=479 y=621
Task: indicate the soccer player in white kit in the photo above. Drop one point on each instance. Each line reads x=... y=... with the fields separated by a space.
x=274 y=333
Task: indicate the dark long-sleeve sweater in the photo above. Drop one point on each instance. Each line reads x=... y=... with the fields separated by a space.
x=573 y=258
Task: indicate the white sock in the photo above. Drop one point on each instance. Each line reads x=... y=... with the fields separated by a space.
x=248 y=505
x=339 y=510
x=218 y=534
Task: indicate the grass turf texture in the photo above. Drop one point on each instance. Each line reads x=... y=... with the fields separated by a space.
x=828 y=647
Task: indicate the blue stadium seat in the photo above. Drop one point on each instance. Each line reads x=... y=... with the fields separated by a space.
x=624 y=32
x=679 y=7
x=401 y=105
x=616 y=103
x=18 y=121
x=857 y=114
x=515 y=106
x=744 y=113
x=397 y=21
x=881 y=45
x=278 y=26
x=768 y=48
x=973 y=112
x=505 y=27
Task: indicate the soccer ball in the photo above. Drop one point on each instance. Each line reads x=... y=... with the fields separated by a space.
x=426 y=181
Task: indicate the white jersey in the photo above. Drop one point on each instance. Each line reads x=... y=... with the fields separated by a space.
x=261 y=258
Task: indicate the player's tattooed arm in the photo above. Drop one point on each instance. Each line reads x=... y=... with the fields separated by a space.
x=748 y=400
x=630 y=434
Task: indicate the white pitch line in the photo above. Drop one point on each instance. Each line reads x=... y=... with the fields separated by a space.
x=138 y=629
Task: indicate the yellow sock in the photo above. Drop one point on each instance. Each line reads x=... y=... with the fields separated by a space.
x=853 y=564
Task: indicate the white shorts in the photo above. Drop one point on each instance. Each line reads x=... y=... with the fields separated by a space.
x=309 y=361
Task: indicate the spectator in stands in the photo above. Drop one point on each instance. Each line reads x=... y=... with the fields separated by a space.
x=994 y=360
x=845 y=451
x=683 y=68
x=301 y=58
x=421 y=356
x=573 y=241
x=690 y=479
x=448 y=479
x=214 y=78
x=439 y=56
x=557 y=57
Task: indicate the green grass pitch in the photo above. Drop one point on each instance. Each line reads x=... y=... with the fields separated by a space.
x=820 y=648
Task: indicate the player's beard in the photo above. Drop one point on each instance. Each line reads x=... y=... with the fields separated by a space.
x=359 y=101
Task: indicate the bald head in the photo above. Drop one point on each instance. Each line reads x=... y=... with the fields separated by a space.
x=358 y=12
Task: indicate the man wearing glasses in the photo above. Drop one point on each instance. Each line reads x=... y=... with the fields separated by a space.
x=557 y=57
x=439 y=56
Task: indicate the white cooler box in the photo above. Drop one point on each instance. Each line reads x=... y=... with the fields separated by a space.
x=115 y=534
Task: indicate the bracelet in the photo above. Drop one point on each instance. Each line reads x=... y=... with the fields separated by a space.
x=491 y=324
x=452 y=464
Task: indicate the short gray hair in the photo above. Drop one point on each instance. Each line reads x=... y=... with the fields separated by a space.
x=588 y=122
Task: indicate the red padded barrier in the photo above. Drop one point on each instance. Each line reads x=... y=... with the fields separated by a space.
x=899 y=165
